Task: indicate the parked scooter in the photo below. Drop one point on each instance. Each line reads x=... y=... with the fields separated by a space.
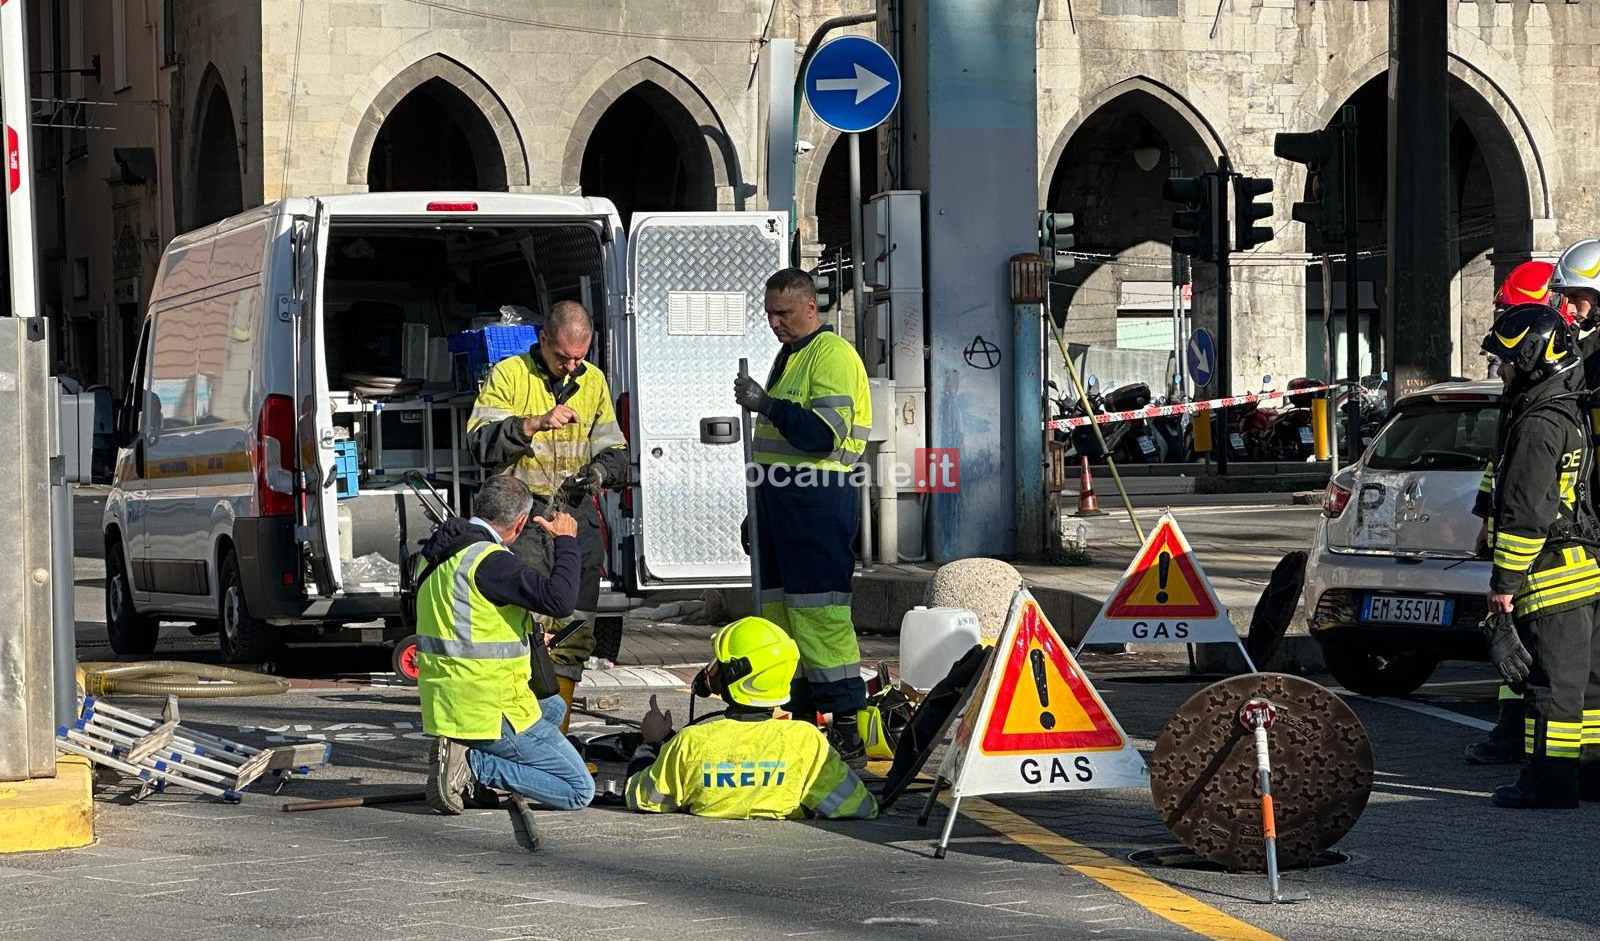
x=1135 y=442
x=1289 y=435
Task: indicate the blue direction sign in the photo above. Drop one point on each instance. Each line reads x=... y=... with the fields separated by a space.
x=852 y=84
x=1202 y=357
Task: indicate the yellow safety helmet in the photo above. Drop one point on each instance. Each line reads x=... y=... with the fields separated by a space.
x=755 y=663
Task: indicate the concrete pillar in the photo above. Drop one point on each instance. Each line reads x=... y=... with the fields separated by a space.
x=971 y=141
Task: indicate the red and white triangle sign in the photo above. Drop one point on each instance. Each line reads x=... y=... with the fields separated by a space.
x=1036 y=723
x=1164 y=597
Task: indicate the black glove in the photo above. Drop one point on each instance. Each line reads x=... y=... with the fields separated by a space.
x=1505 y=648
x=749 y=394
x=744 y=535
x=593 y=478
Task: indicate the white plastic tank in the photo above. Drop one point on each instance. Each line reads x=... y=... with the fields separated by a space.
x=931 y=641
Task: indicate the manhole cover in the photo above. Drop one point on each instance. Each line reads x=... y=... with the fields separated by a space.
x=1203 y=772
x=1181 y=857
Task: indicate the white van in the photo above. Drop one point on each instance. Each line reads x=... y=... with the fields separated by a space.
x=295 y=362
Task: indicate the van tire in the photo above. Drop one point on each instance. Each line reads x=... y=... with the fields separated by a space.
x=243 y=638
x=128 y=631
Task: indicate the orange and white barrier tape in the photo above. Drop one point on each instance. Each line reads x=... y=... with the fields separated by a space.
x=1181 y=408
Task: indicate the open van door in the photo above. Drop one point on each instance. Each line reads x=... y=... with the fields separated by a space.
x=697 y=308
x=318 y=528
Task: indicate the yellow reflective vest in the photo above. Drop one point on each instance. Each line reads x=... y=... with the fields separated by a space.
x=472 y=655
x=737 y=769
x=826 y=377
x=520 y=386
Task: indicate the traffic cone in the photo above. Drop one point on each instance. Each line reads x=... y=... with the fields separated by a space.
x=1088 y=503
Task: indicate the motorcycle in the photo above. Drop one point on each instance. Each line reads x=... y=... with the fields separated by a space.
x=1135 y=442
x=1288 y=435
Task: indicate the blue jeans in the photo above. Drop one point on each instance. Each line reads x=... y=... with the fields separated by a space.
x=537 y=762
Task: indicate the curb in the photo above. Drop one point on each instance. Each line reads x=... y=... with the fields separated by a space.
x=49 y=813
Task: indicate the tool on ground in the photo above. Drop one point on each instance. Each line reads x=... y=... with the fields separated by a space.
x=1088 y=503
x=1083 y=398
x=176 y=678
x=1257 y=715
x=161 y=752
x=412 y=797
x=1203 y=773
x=747 y=427
x=528 y=831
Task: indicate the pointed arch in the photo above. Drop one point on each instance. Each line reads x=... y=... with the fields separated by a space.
x=214 y=172
x=492 y=134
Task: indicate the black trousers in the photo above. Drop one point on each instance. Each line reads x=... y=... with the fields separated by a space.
x=536 y=549
x=1563 y=686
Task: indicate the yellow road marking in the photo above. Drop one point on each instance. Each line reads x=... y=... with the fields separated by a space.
x=1121 y=877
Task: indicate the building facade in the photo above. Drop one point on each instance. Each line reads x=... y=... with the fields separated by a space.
x=180 y=112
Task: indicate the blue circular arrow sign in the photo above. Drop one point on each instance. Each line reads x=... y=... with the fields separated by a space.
x=852 y=84
x=1202 y=357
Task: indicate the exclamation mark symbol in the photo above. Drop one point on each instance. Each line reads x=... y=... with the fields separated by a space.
x=1163 y=567
x=1045 y=718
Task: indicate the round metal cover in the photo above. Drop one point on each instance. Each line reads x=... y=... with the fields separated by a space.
x=1203 y=774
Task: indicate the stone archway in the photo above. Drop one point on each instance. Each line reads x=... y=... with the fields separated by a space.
x=681 y=156
x=1494 y=205
x=470 y=135
x=1107 y=168
x=215 y=173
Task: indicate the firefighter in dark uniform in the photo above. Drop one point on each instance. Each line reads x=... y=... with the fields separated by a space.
x=1545 y=585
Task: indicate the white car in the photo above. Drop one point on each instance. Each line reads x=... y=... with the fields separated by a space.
x=1393 y=582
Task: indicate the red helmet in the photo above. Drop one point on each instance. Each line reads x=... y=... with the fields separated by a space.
x=1529 y=283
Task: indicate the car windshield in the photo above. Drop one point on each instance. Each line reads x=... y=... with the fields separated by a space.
x=1438 y=436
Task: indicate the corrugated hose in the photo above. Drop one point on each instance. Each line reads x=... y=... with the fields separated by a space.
x=176 y=678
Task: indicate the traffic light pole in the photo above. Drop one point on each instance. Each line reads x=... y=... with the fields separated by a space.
x=1352 y=281
x=1224 y=366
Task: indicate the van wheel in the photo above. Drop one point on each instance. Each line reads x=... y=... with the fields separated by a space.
x=1373 y=674
x=128 y=631
x=244 y=639
x=404 y=660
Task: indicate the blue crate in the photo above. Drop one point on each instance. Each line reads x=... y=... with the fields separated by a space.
x=346 y=469
x=476 y=351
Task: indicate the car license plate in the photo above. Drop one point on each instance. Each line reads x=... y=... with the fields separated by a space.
x=1402 y=610
x=1237 y=440
x=1305 y=435
x=1146 y=445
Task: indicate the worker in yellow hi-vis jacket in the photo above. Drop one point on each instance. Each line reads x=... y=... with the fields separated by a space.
x=746 y=764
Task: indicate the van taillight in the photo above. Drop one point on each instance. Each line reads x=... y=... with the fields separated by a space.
x=452 y=207
x=274 y=441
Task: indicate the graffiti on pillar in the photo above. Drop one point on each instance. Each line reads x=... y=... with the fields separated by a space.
x=981 y=354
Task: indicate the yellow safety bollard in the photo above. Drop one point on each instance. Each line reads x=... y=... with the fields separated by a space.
x=1319 y=427
x=1202 y=431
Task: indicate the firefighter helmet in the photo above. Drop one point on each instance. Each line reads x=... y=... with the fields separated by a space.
x=755 y=663
x=1534 y=340
x=1529 y=283
x=1578 y=268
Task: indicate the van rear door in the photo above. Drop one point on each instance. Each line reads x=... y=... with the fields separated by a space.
x=698 y=283
x=319 y=505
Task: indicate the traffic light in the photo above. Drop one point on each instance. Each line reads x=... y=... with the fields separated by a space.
x=1246 y=234
x=1055 y=235
x=827 y=290
x=1197 y=231
x=1322 y=152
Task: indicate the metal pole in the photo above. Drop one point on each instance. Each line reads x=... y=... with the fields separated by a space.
x=748 y=426
x=1352 y=281
x=1257 y=715
x=1328 y=369
x=857 y=289
x=62 y=594
x=1224 y=366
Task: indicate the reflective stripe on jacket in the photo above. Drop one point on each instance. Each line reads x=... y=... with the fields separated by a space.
x=472 y=655
x=519 y=387
x=735 y=769
x=827 y=378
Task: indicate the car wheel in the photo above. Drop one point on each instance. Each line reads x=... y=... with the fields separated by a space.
x=243 y=638
x=1374 y=674
x=128 y=631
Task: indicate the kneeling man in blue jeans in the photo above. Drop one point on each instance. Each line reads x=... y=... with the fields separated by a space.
x=473 y=668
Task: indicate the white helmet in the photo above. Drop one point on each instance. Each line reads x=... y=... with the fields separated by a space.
x=1578 y=268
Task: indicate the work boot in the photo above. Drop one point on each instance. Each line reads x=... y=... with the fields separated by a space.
x=1504 y=743
x=449 y=776
x=845 y=738
x=1546 y=783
